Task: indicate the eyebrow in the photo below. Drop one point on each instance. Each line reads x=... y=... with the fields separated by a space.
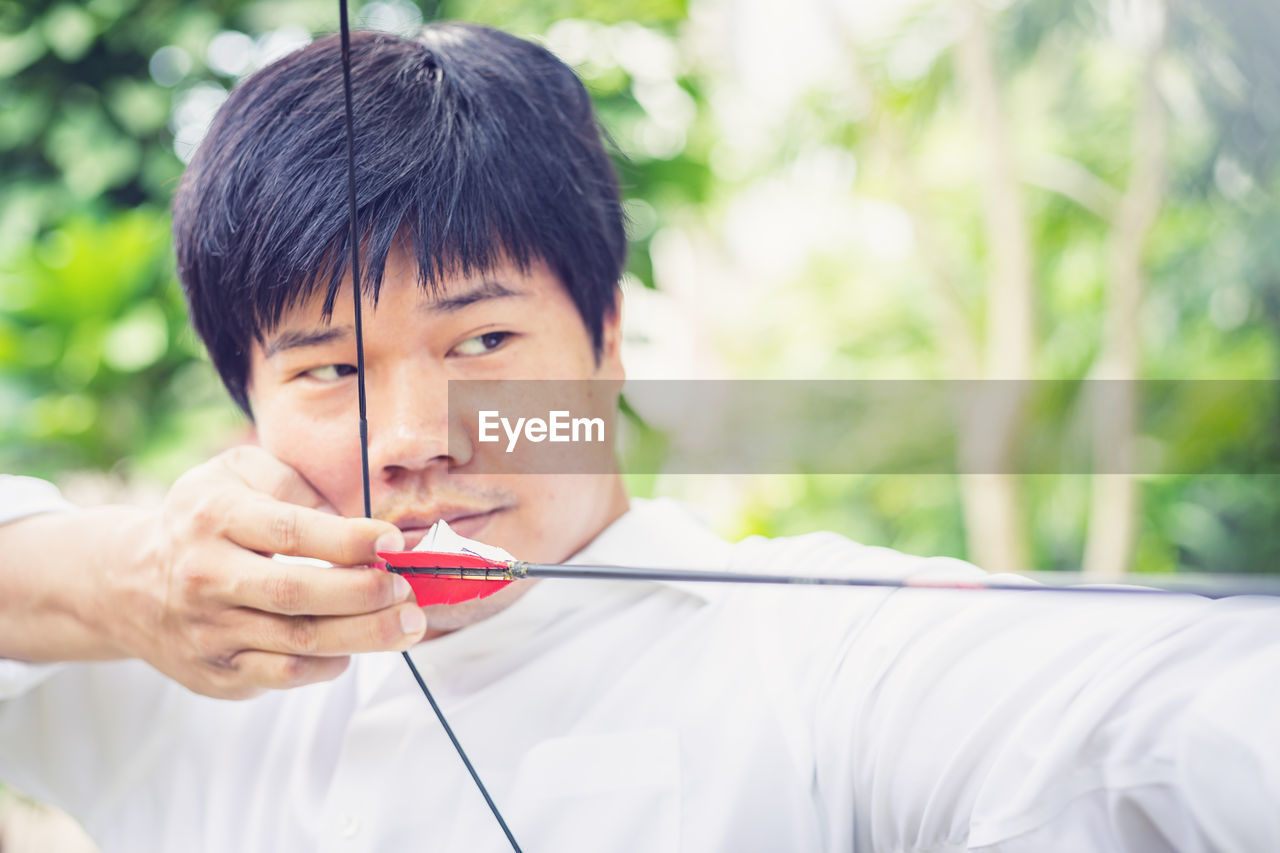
x=299 y=338
x=486 y=289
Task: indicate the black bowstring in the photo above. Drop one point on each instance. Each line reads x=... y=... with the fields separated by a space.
x=354 y=239
x=364 y=423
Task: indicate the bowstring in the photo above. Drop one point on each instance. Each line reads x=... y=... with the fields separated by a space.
x=354 y=239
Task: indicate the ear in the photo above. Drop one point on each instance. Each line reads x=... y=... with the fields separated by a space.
x=609 y=364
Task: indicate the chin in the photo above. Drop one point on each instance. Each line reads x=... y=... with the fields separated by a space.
x=444 y=618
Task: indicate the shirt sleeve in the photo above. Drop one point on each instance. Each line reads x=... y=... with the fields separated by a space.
x=1010 y=722
x=24 y=496
x=21 y=497
x=82 y=738
x=17 y=677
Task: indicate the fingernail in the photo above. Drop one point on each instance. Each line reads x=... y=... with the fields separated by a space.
x=391 y=541
x=401 y=588
x=413 y=620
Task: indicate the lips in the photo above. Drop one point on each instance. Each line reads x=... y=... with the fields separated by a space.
x=467 y=521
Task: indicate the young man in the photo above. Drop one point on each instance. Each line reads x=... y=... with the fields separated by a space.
x=603 y=716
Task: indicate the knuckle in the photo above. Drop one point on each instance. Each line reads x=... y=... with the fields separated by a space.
x=287 y=594
x=350 y=547
x=303 y=634
x=207 y=514
x=357 y=541
x=387 y=630
x=374 y=590
x=194 y=580
x=286 y=537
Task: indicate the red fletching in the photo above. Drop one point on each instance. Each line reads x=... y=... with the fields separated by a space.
x=443 y=560
x=430 y=589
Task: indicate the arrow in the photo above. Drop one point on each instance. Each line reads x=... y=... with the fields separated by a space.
x=445 y=577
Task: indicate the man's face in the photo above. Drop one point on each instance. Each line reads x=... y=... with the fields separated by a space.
x=504 y=324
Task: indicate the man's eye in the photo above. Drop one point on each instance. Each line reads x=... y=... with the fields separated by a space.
x=330 y=372
x=481 y=344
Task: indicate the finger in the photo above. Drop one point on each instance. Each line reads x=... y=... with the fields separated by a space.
x=292 y=589
x=274 y=527
x=262 y=472
x=393 y=629
x=275 y=671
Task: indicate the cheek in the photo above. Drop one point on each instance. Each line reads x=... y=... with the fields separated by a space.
x=559 y=514
x=325 y=453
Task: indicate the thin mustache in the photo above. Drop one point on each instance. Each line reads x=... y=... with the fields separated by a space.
x=471 y=502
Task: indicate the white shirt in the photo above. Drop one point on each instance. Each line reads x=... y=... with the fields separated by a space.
x=23 y=496
x=615 y=716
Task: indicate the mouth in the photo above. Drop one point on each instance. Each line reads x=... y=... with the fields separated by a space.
x=468 y=522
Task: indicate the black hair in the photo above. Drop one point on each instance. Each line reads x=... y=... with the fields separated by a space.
x=472 y=145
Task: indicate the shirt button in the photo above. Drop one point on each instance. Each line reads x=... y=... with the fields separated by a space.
x=349 y=827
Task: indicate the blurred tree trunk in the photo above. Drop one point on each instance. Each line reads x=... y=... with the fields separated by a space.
x=1115 y=501
x=995 y=527
x=994 y=522
x=1004 y=347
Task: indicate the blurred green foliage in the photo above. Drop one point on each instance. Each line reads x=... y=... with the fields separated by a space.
x=99 y=101
x=97 y=367
x=1069 y=86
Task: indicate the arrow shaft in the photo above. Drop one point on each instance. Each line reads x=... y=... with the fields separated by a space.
x=1069 y=582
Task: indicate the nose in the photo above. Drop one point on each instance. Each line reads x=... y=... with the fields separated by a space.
x=409 y=425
